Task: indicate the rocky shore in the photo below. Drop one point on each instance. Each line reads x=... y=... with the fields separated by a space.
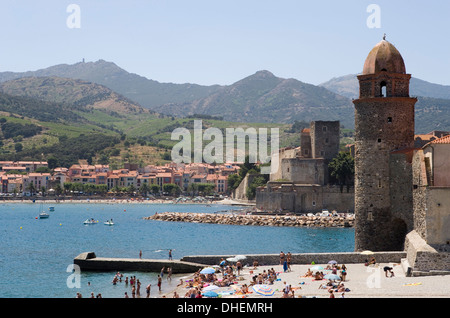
x=256 y=220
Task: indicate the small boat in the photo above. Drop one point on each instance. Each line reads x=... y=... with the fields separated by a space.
x=109 y=222
x=51 y=208
x=42 y=214
x=90 y=221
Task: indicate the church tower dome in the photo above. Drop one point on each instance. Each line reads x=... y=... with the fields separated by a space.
x=384 y=73
x=384 y=57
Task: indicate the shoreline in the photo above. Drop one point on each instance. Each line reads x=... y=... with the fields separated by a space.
x=120 y=201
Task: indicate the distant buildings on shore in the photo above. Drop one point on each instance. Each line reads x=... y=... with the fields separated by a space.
x=16 y=176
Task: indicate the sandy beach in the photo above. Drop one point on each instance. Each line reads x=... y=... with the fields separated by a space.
x=361 y=282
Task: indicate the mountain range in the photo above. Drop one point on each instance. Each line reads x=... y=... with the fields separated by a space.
x=261 y=97
x=146 y=92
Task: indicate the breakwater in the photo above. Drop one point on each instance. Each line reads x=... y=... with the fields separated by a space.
x=256 y=220
x=88 y=261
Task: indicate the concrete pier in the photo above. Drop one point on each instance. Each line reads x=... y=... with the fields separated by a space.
x=189 y=264
x=88 y=261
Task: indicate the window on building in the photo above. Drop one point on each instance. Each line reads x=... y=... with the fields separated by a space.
x=383 y=89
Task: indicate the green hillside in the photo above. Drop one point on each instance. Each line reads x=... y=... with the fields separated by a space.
x=68 y=126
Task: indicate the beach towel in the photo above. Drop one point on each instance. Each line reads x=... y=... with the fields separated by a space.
x=413 y=284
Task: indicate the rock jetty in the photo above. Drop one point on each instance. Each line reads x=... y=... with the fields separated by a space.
x=256 y=220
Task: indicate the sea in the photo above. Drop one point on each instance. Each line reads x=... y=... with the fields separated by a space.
x=36 y=255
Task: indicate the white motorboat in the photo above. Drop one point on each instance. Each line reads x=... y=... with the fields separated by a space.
x=109 y=222
x=90 y=221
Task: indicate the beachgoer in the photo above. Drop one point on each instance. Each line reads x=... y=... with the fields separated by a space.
x=288 y=259
x=162 y=272
x=343 y=273
x=388 y=269
x=138 y=289
x=140 y=254
x=126 y=295
x=159 y=282
x=285 y=267
x=334 y=270
x=282 y=258
x=147 y=289
x=170 y=255
x=169 y=273
x=286 y=290
x=238 y=267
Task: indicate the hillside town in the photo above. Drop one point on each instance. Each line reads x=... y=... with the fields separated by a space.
x=27 y=178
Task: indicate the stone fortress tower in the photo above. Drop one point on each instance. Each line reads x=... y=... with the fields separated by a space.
x=384 y=135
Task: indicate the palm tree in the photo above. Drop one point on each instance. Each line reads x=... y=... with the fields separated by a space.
x=144 y=189
x=31 y=188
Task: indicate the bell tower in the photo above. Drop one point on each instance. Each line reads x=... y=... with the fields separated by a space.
x=384 y=125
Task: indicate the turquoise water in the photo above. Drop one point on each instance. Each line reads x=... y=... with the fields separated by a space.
x=36 y=253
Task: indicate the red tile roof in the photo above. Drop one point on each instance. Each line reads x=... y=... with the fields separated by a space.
x=442 y=140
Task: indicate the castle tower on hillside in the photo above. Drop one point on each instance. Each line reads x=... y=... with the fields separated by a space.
x=384 y=137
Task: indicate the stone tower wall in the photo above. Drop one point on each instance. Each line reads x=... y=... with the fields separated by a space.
x=382 y=125
x=325 y=138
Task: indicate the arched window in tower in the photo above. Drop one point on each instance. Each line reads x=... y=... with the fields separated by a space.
x=383 y=89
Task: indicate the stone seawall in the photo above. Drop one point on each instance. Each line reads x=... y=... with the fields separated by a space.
x=256 y=220
x=303 y=258
x=88 y=261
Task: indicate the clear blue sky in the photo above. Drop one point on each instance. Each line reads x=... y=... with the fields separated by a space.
x=222 y=41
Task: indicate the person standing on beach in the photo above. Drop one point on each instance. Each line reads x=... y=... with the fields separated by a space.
x=282 y=258
x=288 y=259
x=170 y=255
x=149 y=286
x=238 y=267
x=140 y=254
